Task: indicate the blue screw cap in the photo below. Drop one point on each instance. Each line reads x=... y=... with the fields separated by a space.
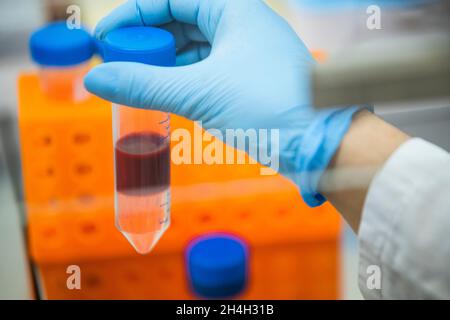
x=57 y=45
x=146 y=45
x=217 y=266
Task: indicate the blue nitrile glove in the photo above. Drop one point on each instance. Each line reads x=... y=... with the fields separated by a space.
x=240 y=66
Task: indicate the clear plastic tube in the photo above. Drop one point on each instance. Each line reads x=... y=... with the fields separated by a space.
x=142 y=175
x=64 y=83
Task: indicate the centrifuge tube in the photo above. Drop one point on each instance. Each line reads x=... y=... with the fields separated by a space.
x=141 y=143
x=63 y=56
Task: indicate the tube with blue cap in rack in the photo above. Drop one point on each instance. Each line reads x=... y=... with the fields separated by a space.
x=141 y=142
x=63 y=56
x=217 y=266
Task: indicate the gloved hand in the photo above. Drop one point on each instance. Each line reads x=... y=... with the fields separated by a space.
x=240 y=66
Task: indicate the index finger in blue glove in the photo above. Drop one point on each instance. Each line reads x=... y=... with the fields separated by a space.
x=159 y=12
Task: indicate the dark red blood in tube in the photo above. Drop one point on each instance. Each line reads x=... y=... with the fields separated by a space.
x=142 y=163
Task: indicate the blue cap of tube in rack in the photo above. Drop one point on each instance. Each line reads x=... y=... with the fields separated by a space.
x=217 y=266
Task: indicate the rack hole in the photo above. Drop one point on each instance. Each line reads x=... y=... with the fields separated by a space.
x=81 y=138
x=49 y=172
x=85 y=198
x=46 y=141
x=205 y=217
x=88 y=228
x=49 y=232
x=283 y=212
x=93 y=280
x=131 y=276
x=53 y=202
x=244 y=215
x=83 y=169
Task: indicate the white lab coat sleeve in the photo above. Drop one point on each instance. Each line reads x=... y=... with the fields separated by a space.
x=404 y=236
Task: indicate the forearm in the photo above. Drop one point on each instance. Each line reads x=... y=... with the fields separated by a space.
x=367 y=145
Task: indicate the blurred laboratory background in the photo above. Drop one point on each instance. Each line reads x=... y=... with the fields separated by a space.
x=309 y=253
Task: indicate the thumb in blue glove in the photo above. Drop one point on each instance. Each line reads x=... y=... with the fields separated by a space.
x=240 y=65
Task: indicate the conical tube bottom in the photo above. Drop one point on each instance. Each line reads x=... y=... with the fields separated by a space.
x=143 y=243
x=143 y=218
